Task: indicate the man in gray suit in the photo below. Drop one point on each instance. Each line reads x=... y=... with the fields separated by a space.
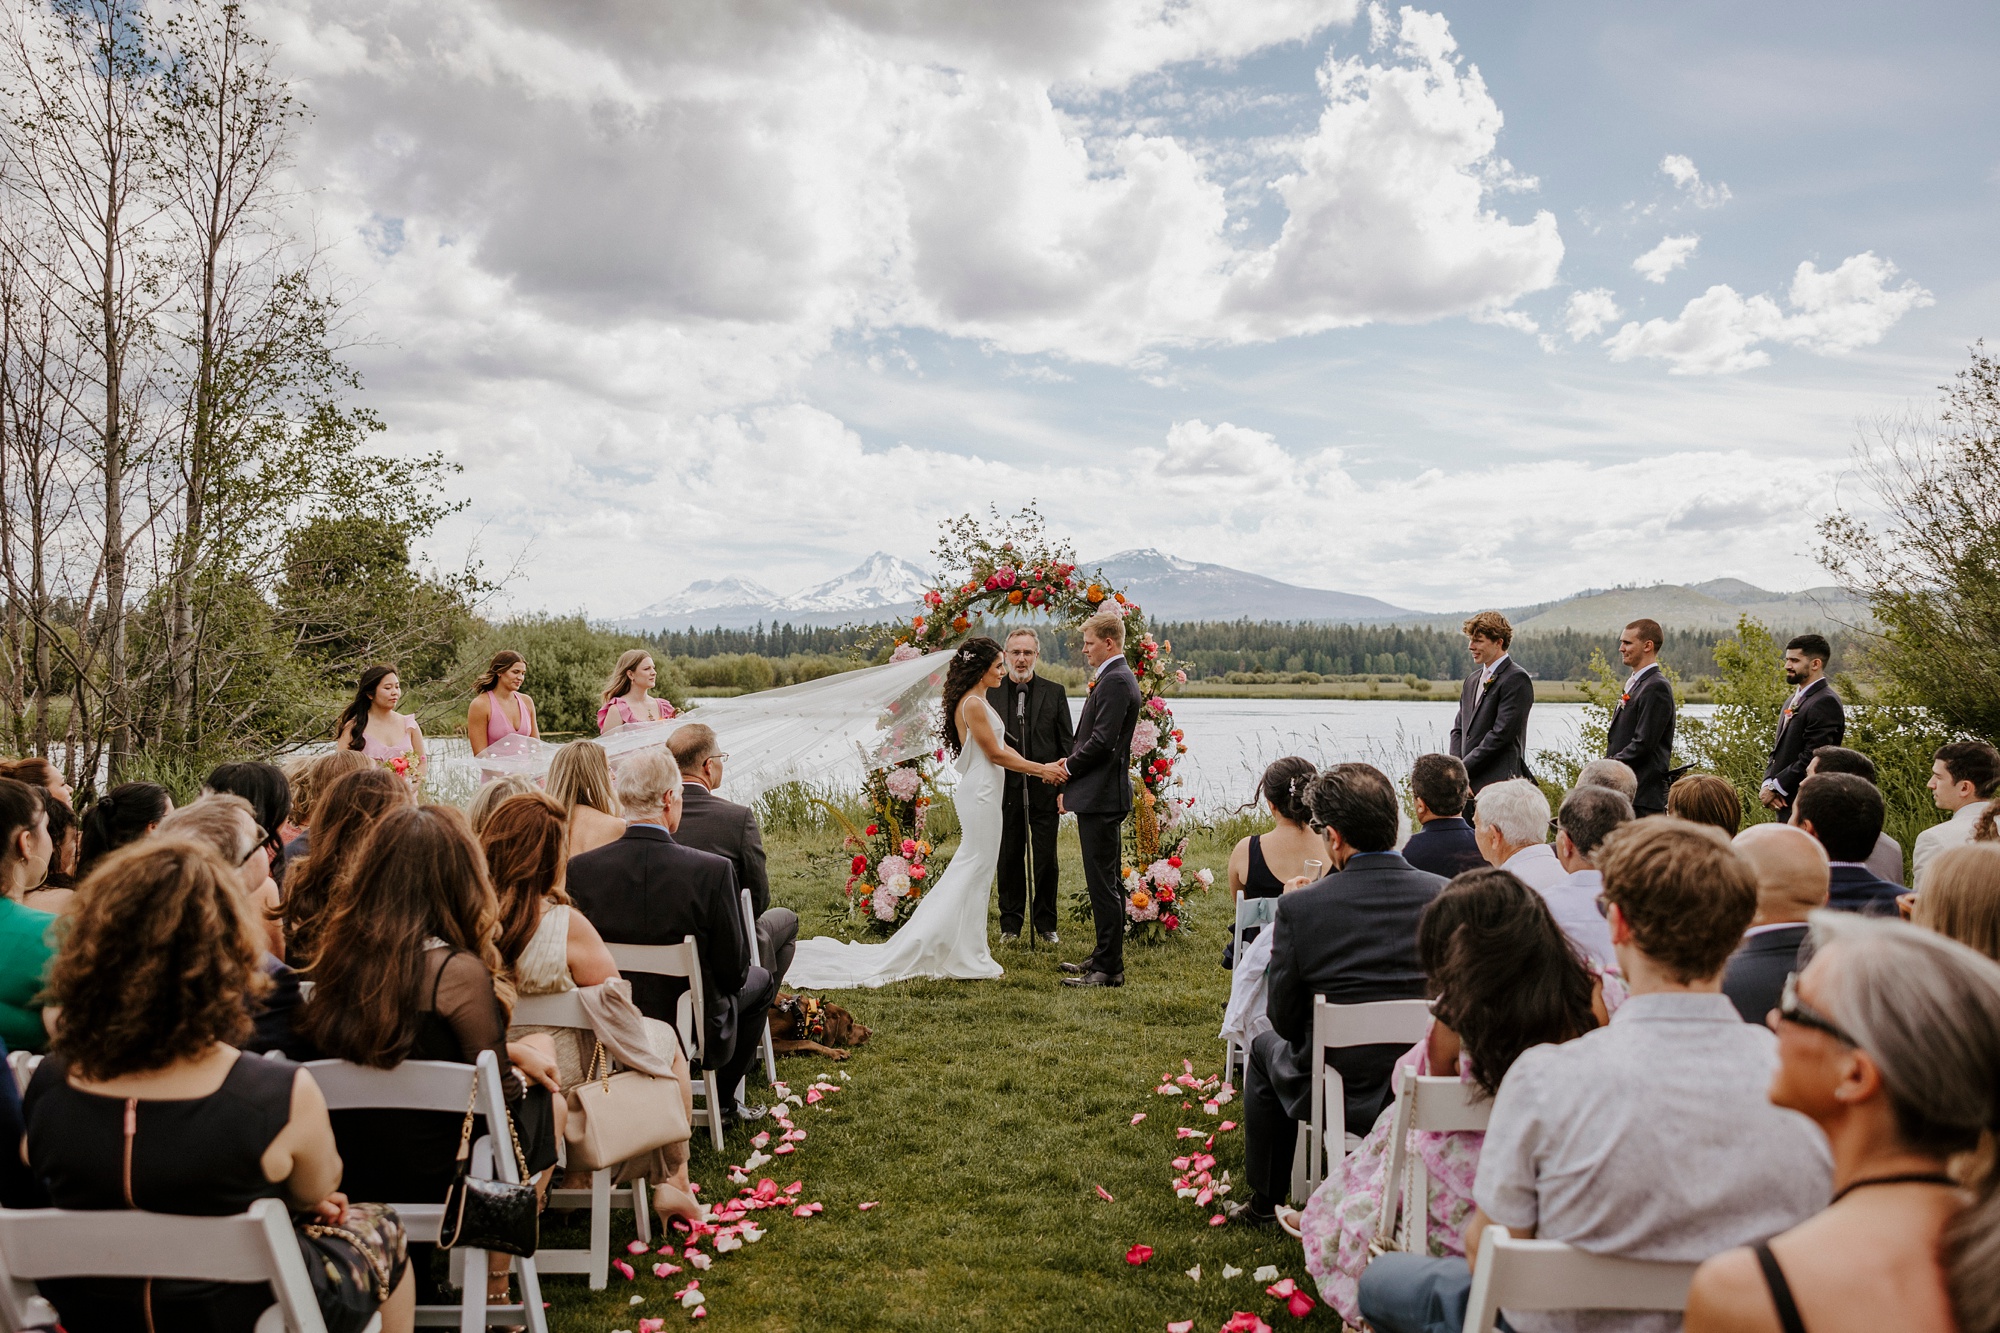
x=711 y=824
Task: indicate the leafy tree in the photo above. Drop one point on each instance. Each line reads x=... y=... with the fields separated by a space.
x=1750 y=693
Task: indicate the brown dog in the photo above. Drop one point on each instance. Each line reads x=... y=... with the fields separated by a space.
x=802 y=1024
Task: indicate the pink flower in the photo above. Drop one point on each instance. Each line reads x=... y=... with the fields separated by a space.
x=883 y=902
x=1145 y=738
x=1138 y=1254
x=1180 y=677
x=908 y=652
x=1164 y=873
x=904 y=783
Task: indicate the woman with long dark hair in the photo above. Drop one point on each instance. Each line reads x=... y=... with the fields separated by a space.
x=371 y=724
x=946 y=935
x=120 y=817
x=628 y=695
x=1503 y=977
x=342 y=816
x=499 y=706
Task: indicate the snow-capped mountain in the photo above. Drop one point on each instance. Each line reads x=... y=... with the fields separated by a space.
x=880 y=581
x=708 y=594
x=1170 y=588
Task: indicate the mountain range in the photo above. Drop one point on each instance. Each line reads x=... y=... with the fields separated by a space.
x=885 y=587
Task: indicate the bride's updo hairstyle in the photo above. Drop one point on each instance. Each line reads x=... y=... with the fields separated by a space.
x=968 y=667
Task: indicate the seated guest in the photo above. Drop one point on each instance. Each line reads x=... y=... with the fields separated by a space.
x=1613 y=773
x=226 y=824
x=309 y=778
x=548 y=948
x=1261 y=865
x=1886 y=861
x=711 y=824
x=1352 y=938
x=1845 y=814
x=1587 y=818
x=1792 y=877
x=1964 y=776
x=39 y=772
x=1890 y=1042
x=58 y=886
x=406 y=969
x=26 y=944
x=123 y=815
x=490 y=796
x=1511 y=822
x=580 y=780
x=1446 y=844
x=1651 y=1137
x=145 y=1069
x=1961 y=897
x=1503 y=977
x=1704 y=798
x=343 y=816
x=270 y=797
x=648 y=889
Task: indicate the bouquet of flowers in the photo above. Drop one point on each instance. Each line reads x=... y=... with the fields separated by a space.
x=891 y=866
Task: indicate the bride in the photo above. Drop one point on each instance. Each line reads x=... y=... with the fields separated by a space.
x=946 y=935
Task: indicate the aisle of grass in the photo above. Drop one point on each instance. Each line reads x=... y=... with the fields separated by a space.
x=982 y=1116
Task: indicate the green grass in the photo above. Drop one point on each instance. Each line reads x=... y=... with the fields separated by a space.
x=982 y=1115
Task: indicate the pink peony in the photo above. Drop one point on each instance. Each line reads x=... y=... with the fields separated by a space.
x=908 y=652
x=884 y=903
x=1145 y=738
x=904 y=783
x=1164 y=873
x=893 y=867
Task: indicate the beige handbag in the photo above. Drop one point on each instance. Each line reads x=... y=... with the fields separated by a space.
x=613 y=1117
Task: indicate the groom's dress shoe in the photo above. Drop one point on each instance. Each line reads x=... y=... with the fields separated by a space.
x=1075 y=969
x=1092 y=979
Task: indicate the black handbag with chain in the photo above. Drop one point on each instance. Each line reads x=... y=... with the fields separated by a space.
x=489 y=1214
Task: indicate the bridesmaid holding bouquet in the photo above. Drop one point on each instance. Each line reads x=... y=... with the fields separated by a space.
x=371 y=724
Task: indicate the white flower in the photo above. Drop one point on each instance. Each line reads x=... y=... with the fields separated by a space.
x=897 y=885
x=1207 y=878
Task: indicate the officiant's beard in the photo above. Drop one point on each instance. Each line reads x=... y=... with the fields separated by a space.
x=1021 y=677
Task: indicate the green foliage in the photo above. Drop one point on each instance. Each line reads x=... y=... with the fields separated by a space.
x=1750 y=693
x=1900 y=737
x=569 y=660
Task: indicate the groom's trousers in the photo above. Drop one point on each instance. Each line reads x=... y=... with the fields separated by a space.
x=1102 y=845
x=1027 y=835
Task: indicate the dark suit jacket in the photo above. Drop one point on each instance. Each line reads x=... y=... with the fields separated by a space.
x=1642 y=737
x=1352 y=937
x=1491 y=732
x=711 y=824
x=1755 y=977
x=1046 y=738
x=1856 y=889
x=1445 y=846
x=1820 y=720
x=648 y=889
x=1100 y=763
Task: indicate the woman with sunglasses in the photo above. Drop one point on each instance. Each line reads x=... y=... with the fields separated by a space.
x=1890 y=1042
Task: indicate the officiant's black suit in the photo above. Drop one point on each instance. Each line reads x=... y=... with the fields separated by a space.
x=1099 y=794
x=1491 y=731
x=1038 y=726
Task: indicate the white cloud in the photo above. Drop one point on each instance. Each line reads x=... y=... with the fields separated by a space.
x=1671 y=253
x=1702 y=194
x=1224 y=455
x=1585 y=313
x=1719 y=332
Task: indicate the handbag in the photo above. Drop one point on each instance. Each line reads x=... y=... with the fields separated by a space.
x=489 y=1214
x=615 y=1117
x=351 y=1277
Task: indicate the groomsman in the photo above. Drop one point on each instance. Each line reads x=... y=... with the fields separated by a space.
x=1036 y=712
x=1491 y=732
x=1642 y=726
x=1813 y=717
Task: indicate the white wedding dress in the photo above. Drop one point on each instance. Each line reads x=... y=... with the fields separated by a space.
x=946 y=935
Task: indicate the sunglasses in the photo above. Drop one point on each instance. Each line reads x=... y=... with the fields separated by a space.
x=1797 y=1012
x=263 y=842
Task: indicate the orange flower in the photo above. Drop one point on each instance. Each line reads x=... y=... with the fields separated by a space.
x=1095 y=593
x=1140 y=900
x=1014 y=597
x=960 y=623
x=1120 y=596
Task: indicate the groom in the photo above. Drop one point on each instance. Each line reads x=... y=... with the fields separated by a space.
x=1098 y=791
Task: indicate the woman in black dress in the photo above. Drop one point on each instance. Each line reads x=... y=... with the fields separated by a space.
x=407 y=969
x=145 y=1102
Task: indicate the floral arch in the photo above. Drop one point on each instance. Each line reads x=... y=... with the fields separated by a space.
x=1013 y=570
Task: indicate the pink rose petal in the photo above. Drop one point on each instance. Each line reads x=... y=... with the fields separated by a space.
x=1137 y=1118
x=1225 y=1127
x=1281 y=1289
x=864 y=1207
x=1138 y=1254
x=1217 y=1220
x=651 y=1325
x=784 y=1149
x=812 y=1095
x=665 y=1270
x=1104 y=1194
x=637 y=1247
x=1184 y=1326
x=624 y=1268
x=1300 y=1305
x=762 y=1140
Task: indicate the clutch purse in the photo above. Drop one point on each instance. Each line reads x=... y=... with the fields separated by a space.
x=489 y=1214
x=616 y=1117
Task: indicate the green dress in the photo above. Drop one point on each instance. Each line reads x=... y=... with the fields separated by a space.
x=25 y=950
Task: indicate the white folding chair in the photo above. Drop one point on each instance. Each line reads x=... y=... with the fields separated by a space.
x=1251 y=913
x=565 y=1010
x=1402 y=1022
x=1549 y=1275
x=22 y=1065
x=750 y=933
x=438 y=1085
x=1437 y=1105
x=254 y=1246
x=681 y=960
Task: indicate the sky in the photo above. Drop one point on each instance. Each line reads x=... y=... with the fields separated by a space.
x=1475 y=303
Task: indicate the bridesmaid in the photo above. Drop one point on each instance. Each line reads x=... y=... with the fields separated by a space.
x=499 y=708
x=372 y=725
x=628 y=695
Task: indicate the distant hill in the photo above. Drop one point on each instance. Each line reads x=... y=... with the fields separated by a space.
x=1716 y=605
x=879 y=588
x=1169 y=588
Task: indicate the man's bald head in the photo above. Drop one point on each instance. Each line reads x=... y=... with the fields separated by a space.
x=1791 y=869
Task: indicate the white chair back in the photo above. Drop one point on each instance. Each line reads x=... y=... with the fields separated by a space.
x=560 y=1010
x=681 y=960
x=750 y=934
x=1548 y=1275
x=22 y=1065
x=1401 y=1022
x=1251 y=913
x=254 y=1246
x=1436 y=1105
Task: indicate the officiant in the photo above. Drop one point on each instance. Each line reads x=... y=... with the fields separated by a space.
x=1036 y=711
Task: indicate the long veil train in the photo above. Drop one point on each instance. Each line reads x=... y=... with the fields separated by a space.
x=830 y=731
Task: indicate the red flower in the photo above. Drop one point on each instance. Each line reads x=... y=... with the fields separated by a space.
x=1138 y=1254
x=1174 y=861
x=1035 y=598
x=871 y=831
x=860 y=864
x=917 y=872
x=1170 y=921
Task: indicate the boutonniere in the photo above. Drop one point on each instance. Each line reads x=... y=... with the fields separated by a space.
x=1624 y=699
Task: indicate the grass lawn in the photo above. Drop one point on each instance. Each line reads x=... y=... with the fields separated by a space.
x=983 y=1116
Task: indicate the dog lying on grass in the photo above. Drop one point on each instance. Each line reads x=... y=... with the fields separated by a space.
x=801 y=1024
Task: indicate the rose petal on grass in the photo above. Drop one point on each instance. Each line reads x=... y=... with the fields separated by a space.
x=1104 y=1194
x=1245 y=1322
x=700 y=1312
x=795 y=1187
x=727 y=1244
x=1230 y=1270
x=1267 y=1273
x=1219 y=1219
x=1195 y=1272
x=637 y=1300
x=651 y=1325
x=700 y=1261
x=812 y=1095
x=762 y=1139
x=1183 y=1326
x=1137 y=1118
x=691 y=1298
x=624 y=1268
x=1212 y=1108
x=1166 y=1090
x=1299 y=1304
x=1225 y=1127
x=864 y=1207
x=1188 y=1066
x=1185 y=1133
x=637 y=1247
x=1138 y=1254
x=665 y=1270
x=1282 y=1290
x=784 y=1150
